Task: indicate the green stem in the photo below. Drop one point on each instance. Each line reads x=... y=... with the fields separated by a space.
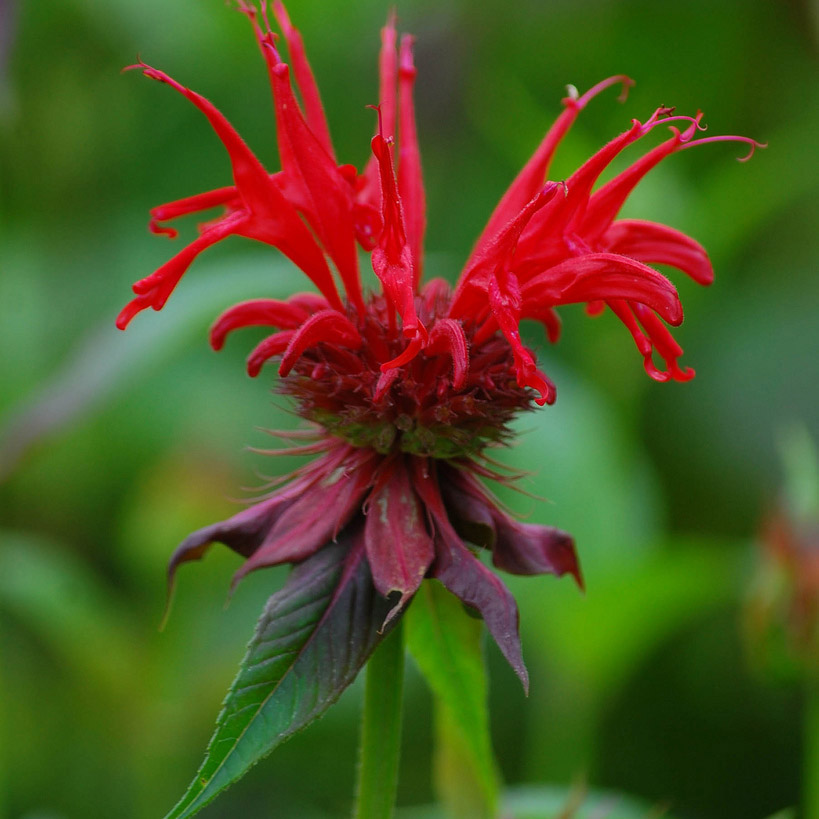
x=381 y=730
x=810 y=774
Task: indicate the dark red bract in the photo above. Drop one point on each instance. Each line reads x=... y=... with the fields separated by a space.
x=405 y=388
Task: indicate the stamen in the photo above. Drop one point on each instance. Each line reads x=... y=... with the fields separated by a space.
x=659 y=118
x=581 y=102
x=726 y=138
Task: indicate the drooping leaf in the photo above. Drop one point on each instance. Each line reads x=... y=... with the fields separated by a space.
x=446 y=644
x=310 y=642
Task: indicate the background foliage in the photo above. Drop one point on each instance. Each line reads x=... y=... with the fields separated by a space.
x=115 y=446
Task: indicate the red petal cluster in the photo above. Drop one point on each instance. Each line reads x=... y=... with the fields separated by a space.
x=408 y=385
x=545 y=245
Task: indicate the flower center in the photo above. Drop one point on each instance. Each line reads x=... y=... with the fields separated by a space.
x=414 y=408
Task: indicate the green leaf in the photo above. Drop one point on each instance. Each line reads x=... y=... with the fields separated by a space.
x=310 y=642
x=446 y=644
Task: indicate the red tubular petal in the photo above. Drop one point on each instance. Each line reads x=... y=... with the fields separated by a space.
x=264 y=312
x=368 y=224
x=410 y=177
x=623 y=311
x=530 y=376
x=436 y=295
x=311 y=302
x=653 y=243
x=392 y=259
x=329 y=195
x=313 y=109
x=328 y=326
x=562 y=211
x=131 y=309
x=551 y=321
x=165 y=278
x=266 y=39
x=505 y=302
x=465 y=576
x=665 y=345
x=249 y=174
x=410 y=351
x=154 y=290
x=447 y=336
x=606 y=202
x=496 y=253
x=534 y=173
x=564 y=217
x=274 y=220
x=606 y=276
x=388 y=75
x=398 y=547
x=191 y=204
x=272 y=346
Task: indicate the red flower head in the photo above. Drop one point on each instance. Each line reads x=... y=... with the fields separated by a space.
x=406 y=387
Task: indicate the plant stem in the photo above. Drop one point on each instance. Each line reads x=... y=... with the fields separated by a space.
x=810 y=773
x=381 y=730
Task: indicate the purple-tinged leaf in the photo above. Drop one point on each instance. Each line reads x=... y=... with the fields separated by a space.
x=529 y=548
x=517 y=548
x=464 y=574
x=468 y=579
x=398 y=547
x=312 y=639
x=317 y=516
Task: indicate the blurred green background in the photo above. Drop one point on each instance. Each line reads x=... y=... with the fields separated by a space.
x=114 y=446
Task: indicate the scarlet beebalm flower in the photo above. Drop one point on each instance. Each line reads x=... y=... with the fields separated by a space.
x=407 y=387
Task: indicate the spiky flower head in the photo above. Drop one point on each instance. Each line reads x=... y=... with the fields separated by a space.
x=405 y=388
